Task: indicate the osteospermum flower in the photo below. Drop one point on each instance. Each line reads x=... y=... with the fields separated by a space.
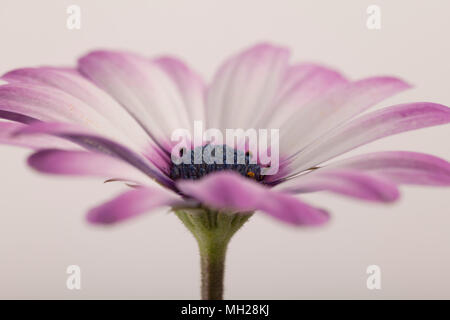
x=113 y=115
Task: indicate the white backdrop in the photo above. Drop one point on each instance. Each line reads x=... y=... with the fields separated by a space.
x=42 y=228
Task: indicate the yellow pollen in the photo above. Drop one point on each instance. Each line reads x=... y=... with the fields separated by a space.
x=251 y=174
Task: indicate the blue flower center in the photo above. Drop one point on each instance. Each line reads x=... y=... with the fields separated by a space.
x=197 y=163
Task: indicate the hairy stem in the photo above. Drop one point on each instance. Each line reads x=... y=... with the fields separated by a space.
x=213 y=231
x=212 y=262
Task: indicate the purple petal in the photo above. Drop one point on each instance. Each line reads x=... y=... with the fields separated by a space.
x=245 y=86
x=27 y=102
x=227 y=190
x=346 y=182
x=132 y=203
x=96 y=143
x=72 y=83
x=190 y=85
x=303 y=76
x=302 y=84
x=83 y=163
x=16 y=117
x=401 y=167
x=370 y=127
x=7 y=136
x=326 y=113
x=142 y=87
x=53 y=105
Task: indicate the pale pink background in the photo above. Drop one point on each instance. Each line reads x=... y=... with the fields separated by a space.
x=42 y=228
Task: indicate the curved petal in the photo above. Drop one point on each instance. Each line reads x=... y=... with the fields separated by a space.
x=96 y=143
x=401 y=167
x=370 y=127
x=84 y=163
x=313 y=76
x=71 y=82
x=227 y=190
x=189 y=83
x=245 y=86
x=49 y=104
x=346 y=182
x=8 y=136
x=16 y=117
x=28 y=101
x=132 y=203
x=326 y=113
x=140 y=86
x=302 y=84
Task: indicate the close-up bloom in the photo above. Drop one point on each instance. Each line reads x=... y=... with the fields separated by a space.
x=113 y=115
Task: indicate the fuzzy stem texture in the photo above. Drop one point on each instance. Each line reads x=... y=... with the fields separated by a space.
x=213 y=230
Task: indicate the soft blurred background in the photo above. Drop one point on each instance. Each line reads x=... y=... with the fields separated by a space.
x=42 y=226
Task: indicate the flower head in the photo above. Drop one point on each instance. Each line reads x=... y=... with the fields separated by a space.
x=114 y=114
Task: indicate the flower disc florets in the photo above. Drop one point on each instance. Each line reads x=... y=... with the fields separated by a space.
x=200 y=161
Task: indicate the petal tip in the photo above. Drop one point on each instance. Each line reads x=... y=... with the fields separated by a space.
x=94 y=216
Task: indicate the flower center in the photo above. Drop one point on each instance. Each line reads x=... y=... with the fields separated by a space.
x=209 y=158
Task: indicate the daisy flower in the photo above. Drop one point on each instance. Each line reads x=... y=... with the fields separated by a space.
x=113 y=116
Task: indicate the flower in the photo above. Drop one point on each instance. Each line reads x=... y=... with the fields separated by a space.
x=113 y=115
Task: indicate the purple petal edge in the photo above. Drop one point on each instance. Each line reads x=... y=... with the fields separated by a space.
x=230 y=191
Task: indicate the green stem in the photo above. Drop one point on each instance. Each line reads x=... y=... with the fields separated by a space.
x=213 y=231
x=212 y=262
